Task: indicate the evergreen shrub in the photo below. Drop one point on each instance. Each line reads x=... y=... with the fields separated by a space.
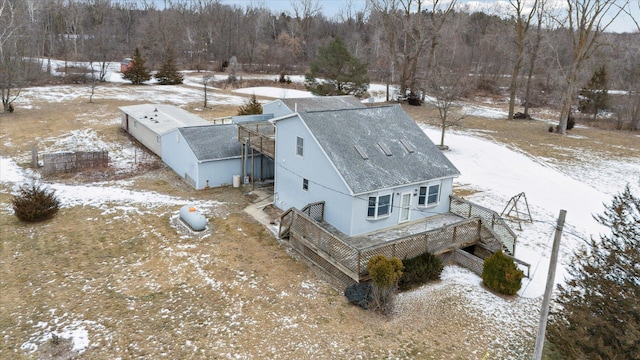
x=419 y=270
x=251 y=107
x=501 y=274
x=385 y=273
x=359 y=294
x=35 y=203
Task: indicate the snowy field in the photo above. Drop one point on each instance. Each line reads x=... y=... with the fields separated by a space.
x=486 y=167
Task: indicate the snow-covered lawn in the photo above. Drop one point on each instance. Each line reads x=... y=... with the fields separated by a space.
x=495 y=171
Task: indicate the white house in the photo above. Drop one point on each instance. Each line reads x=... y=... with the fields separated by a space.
x=373 y=167
x=148 y=122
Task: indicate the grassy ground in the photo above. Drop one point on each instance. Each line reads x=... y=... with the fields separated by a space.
x=140 y=288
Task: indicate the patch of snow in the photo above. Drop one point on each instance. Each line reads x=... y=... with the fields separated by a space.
x=500 y=173
x=484 y=111
x=107 y=196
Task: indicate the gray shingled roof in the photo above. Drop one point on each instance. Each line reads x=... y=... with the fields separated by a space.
x=323 y=103
x=372 y=129
x=213 y=142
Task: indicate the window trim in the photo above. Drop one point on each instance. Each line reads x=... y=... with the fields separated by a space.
x=423 y=198
x=300 y=146
x=375 y=206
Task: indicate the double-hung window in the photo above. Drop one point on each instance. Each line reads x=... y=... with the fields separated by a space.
x=429 y=195
x=299 y=146
x=379 y=206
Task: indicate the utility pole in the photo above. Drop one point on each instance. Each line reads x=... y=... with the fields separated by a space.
x=544 y=311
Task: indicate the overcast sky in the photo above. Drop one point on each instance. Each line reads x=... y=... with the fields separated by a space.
x=331 y=8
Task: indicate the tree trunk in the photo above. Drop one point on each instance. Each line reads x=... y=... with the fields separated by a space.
x=514 y=82
x=534 y=55
x=444 y=128
x=567 y=100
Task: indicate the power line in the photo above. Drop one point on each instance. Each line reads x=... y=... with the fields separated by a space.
x=419 y=209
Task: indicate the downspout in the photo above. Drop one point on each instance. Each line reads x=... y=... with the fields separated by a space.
x=244 y=160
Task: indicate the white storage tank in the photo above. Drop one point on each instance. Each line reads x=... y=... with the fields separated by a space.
x=193 y=218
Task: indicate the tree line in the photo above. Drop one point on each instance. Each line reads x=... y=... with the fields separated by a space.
x=531 y=52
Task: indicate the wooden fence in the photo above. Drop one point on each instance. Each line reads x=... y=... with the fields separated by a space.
x=65 y=162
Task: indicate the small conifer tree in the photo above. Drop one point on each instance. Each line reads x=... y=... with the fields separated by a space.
x=598 y=312
x=168 y=73
x=35 y=203
x=251 y=107
x=595 y=95
x=341 y=72
x=137 y=72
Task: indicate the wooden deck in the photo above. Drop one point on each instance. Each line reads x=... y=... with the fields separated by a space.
x=347 y=261
x=345 y=258
x=259 y=136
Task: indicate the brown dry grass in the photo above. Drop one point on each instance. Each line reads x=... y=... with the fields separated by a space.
x=144 y=291
x=533 y=137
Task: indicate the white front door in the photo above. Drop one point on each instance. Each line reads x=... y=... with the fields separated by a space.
x=405 y=202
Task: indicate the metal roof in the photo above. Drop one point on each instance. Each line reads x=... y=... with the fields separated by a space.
x=213 y=142
x=162 y=118
x=345 y=135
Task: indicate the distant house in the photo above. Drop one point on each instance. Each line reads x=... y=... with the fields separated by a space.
x=148 y=122
x=209 y=155
x=373 y=167
x=282 y=107
x=125 y=64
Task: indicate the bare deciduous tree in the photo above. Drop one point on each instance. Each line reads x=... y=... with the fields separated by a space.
x=541 y=13
x=587 y=19
x=439 y=14
x=403 y=21
x=10 y=58
x=445 y=87
x=523 y=13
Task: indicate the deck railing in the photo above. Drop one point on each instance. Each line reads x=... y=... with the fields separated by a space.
x=349 y=264
x=259 y=136
x=490 y=218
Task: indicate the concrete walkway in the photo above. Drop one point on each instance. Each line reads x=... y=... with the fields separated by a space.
x=256 y=209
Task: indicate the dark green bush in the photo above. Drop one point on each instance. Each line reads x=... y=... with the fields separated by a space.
x=501 y=274
x=35 y=203
x=419 y=270
x=359 y=294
